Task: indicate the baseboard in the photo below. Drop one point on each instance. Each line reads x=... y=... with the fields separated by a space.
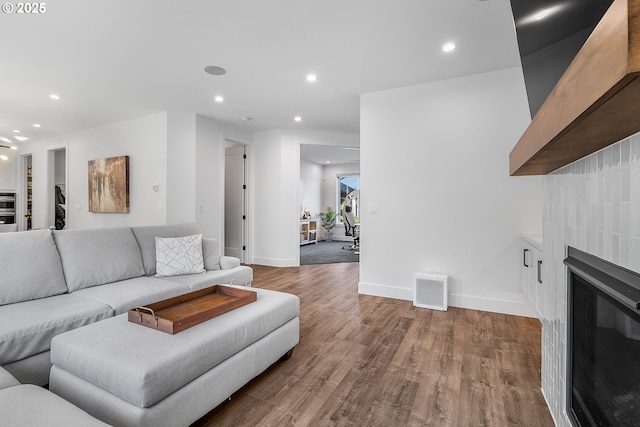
x=495 y=305
x=385 y=291
x=511 y=306
x=274 y=262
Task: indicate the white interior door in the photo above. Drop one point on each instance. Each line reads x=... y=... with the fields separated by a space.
x=234 y=202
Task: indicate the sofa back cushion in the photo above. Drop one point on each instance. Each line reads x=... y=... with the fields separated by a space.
x=97 y=256
x=210 y=254
x=146 y=237
x=31 y=267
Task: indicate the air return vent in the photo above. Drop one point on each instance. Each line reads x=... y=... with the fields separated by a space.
x=430 y=291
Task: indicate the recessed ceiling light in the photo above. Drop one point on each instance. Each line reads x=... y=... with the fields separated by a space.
x=328 y=161
x=297 y=118
x=448 y=47
x=16 y=131
x=218 y=98
x=247 y=118
x=36 y=125
x=54 y=96
x=7 y=140
x=3 y=157
x=214 y=70
x=21 y=138
x=312 y=77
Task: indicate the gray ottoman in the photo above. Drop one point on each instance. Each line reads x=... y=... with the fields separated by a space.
x=129 y=375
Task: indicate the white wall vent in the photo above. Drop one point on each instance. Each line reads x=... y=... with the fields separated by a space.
x=431 y=291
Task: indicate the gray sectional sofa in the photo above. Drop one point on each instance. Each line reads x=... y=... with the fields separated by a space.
x=57 y=281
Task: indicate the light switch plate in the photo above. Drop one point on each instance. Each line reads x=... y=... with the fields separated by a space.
x=373 y=208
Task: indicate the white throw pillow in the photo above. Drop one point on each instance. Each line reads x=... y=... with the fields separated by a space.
x=179 y=255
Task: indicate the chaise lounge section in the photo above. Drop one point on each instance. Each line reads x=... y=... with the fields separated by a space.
x=29 y=405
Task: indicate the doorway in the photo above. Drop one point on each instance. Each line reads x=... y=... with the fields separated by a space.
x=327 y=174
x=27 y=196
x=235 y=200
x=57 y=188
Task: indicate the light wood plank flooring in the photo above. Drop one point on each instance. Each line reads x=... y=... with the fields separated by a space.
x=370 y=361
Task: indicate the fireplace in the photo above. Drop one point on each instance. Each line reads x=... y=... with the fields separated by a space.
x=603 y=345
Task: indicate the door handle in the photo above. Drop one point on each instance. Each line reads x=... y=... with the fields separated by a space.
x=539 y=271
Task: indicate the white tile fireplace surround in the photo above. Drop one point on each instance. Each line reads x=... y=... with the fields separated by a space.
x=593 y=205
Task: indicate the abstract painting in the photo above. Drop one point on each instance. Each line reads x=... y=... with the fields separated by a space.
x=109 y=185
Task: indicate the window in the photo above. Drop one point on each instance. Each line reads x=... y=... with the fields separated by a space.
x=349 y=185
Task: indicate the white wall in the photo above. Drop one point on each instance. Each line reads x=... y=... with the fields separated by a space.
x=275 y=207
x=181 y=168
x=434 y=158
x=9 y=170
x=143 y=140
x=311 y=176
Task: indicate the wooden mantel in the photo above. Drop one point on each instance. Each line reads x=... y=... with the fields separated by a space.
x=596 y=102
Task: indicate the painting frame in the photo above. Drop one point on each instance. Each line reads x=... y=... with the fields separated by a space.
x=109 y=185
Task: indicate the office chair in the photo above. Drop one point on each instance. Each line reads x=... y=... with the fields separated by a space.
x=352 y=228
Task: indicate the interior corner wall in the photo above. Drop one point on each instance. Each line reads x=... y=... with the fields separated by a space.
x=311 y=180
x=209 y=185
x=9 y=170
x=274 y=205
x=142 y=139
x=181 y=168
x=434 y=160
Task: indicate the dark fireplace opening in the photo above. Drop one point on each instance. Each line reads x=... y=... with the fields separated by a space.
x=603 y=354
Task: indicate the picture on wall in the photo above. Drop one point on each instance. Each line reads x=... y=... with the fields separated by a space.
x=109 y=185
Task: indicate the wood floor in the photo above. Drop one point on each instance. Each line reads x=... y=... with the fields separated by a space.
x=370 y=361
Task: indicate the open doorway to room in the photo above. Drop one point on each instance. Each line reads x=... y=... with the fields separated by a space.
x=329 y=186
x=57 y=188
x=235 y=200
x=27 y=193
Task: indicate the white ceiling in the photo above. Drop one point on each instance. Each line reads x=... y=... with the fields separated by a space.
x=329 y=154
x=112 y=60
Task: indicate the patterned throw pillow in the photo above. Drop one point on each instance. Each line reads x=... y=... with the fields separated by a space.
x=179 y=255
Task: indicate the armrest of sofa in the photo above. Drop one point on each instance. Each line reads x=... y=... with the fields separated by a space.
x=229 y=262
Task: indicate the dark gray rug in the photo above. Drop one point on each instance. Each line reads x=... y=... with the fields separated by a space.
x=326 y=253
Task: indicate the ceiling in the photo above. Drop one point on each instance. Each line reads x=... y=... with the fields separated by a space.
x=329 y=154
x=113 y=60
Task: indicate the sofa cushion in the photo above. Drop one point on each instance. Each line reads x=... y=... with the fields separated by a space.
x=127 y=294
x=210 y=278
x=36 y=270
x=30 y=405
x=143 y=366
x=6 y=379
x=146 y=237
x=97 y=256
x=26 y=328
x=179 y=255
x=210 y=254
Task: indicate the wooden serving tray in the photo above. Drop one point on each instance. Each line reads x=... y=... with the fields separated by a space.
x=184 y=311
